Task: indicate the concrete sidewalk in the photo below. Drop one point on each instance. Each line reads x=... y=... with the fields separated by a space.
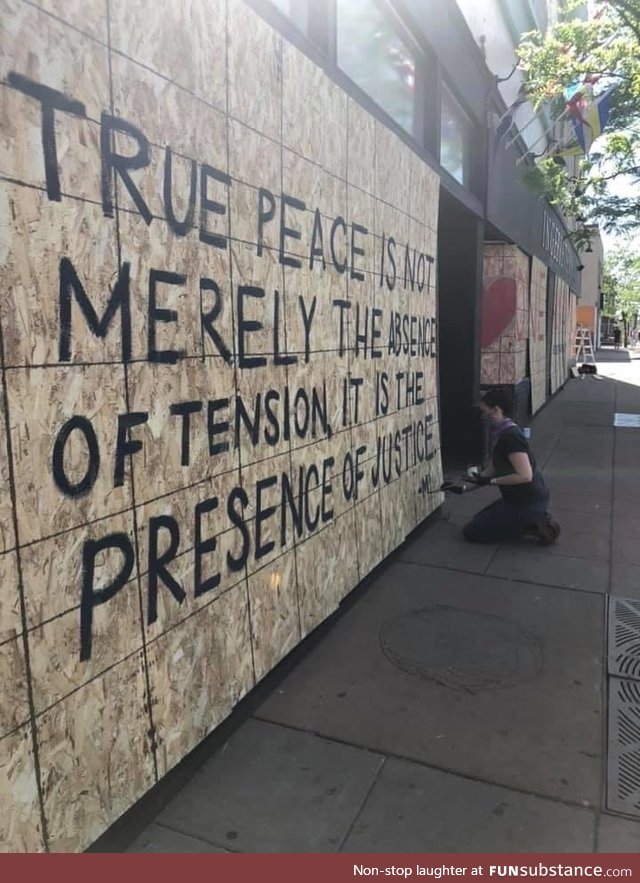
x=464 y=702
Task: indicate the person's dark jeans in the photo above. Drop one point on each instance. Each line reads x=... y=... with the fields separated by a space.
x=501 y=522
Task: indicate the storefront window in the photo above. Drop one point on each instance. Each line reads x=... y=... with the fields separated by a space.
x=373 y=55
x=455 y=138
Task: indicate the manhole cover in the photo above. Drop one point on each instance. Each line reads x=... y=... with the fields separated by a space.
x=461 y=649
x=623 y=792
x=624 y=638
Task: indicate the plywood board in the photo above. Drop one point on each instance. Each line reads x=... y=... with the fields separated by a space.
x=220 y=363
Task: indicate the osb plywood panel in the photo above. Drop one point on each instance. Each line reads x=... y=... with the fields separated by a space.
x=505 y=314
x=198 y=671
x=537 y=334
x=20 y=825
x=14 y=708
x=49 y=52
x=10 y=618
x=563 y=333
x=179 y=41
x=219 y=330
x=95 y=755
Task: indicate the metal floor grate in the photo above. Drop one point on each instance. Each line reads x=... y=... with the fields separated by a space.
x=623 y=781
x=631 y=421
x=624 y=638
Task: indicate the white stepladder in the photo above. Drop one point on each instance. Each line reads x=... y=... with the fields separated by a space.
x=583 y=352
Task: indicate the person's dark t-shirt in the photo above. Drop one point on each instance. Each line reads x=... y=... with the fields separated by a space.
x=512 y=441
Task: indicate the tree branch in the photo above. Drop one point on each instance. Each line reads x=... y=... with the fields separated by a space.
x=625 y=12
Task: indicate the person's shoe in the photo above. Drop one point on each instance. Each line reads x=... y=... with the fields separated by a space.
x=548 y=531
x=531 y=532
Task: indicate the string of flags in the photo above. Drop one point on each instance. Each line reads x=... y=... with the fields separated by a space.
x=586 y=106
x=587 y=111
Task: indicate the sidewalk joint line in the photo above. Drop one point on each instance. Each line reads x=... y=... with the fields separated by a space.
x=374 y=782
x=511 y=579
x=573 y=804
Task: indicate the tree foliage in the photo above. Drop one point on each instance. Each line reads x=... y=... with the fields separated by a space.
x=621 y=287
x=603 y=51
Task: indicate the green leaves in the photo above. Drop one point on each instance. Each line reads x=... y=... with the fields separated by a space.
x=601 y=52
x=621 y=282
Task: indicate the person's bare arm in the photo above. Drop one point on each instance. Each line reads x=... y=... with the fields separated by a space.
x=522 y=471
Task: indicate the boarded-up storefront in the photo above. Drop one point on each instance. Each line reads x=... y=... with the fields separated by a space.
x=219 y=405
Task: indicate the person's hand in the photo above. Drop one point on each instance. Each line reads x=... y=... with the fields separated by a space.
x=450 y=487
x=481 y=479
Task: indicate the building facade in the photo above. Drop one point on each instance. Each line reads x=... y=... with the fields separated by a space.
x=259 y=260
x=589 y=306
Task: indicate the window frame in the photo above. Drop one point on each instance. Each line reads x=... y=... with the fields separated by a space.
x=395 y=24
x=447 y=94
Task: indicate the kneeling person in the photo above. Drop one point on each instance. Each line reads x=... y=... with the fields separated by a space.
x=523 y=508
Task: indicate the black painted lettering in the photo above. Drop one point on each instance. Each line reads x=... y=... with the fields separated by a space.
x=278 y=333
x=420 y=441
x=120 y=300
x=289 y=232
x=355 y=383
x=246 y=326
x=50 y=101
x=391 y=254
x=210 y=205
x=356 y=250
x=238 y=495
x=185 y=410
x=376 y=333
x=158 y=563
x=430 y=261
x=421 y=272
x=124 y=446
x=82 y=487
x=412 y=348
x=409 y=267
x=384 y=393
x=121 y=164
x=272 y=432
x=156 y=314
x=320 y=411
x=217 y=427
x=180 y=228
x=343 y=306
x=209 y=319
x=361 y=331
x=289 y=504
x=301 y=422
x=327 y=489
x=307 y=319
x=429 y=438
x=312 y=522
x=266 y=213
x=359 y=471
x=263 y=513
x=251 y=424
x=348 y=477
x=340 y=266
x=317 y=250
x=204 y=547
x=93 y=597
